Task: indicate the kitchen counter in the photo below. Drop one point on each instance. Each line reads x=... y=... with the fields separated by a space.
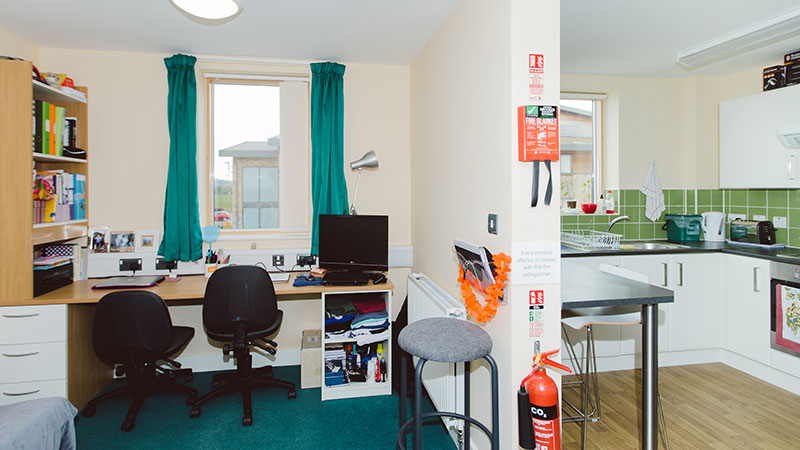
x=584 y=287
x=788 y=255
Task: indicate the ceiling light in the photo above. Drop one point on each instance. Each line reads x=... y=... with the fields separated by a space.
x=745 y=39
x=208 y=12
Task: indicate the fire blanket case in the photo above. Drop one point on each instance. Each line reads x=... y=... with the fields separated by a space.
x=538 y=141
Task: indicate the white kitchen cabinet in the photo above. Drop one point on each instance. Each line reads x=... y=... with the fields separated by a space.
x=750 y=154
x=747 y=307
x=695 y=317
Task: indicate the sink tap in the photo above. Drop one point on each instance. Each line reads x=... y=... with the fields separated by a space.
x=618 y=219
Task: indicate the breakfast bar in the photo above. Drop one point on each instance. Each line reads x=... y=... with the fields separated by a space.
x=584 y=287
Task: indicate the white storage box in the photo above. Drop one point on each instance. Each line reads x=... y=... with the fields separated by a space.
x=311 y=359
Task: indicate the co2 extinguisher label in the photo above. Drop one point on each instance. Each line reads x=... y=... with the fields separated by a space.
x=544 y=412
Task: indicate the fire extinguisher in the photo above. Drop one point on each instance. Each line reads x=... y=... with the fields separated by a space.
x=537 y=403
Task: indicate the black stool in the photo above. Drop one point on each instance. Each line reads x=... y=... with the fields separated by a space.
x=444 y=340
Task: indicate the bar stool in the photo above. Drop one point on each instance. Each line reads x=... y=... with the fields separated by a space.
x=446 y=340
x=579 y=319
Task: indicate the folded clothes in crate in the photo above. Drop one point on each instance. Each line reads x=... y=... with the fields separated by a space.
x=339 y=305
x=368 y=305
x=370 y=318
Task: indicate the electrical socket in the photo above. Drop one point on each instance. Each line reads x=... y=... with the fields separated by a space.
x=277 y=260
x=732 y=217
x=306 y=260
x=165 y=265
x=132 y=264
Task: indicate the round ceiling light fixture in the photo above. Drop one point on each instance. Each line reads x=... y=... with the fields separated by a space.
x=208 y=12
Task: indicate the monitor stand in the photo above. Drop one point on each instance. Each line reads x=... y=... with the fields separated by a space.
x=345 y=278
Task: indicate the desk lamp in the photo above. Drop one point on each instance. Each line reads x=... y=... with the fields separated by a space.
x=368 y=161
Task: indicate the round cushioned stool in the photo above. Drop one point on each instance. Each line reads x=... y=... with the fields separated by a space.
x=446 y=340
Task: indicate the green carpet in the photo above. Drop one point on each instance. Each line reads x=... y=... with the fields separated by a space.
x=367 y=423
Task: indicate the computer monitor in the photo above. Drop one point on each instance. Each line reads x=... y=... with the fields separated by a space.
x=354 y=243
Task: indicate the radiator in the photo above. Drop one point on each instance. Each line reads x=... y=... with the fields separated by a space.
x=444 y=382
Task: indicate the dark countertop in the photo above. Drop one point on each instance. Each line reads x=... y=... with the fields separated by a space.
x=788 y=255
x=583 y=287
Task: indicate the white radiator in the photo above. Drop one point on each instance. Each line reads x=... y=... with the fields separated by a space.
x=443 y=381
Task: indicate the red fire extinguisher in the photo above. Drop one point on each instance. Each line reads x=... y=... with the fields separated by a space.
x=537 y=403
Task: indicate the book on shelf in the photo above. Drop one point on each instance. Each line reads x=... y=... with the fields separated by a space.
x=51 y=130
x=37 y=125
x=74 y=92
x=68 y=200
x=45 y=129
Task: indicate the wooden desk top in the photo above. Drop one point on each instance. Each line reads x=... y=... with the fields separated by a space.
x=191 y=287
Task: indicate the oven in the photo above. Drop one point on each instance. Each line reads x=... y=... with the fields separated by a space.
x=785 y=308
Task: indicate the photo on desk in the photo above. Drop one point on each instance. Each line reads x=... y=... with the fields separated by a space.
x=122 y=242
x=98 y=239
x=147 y=241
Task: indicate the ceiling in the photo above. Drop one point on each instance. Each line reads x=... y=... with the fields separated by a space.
x=643 y=38
x=615 y=37
x=369 y=31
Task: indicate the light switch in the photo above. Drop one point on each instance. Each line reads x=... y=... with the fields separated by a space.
x=493 y=223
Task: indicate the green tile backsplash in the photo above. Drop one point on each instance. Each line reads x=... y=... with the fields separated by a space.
x=750 y=202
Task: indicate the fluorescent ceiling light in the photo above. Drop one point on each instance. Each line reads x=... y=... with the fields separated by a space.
x=745 y=39
x=208 y=12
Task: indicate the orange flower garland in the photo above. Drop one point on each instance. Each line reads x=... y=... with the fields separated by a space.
x=485 y=313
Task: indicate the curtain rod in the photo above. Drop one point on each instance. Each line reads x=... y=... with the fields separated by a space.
x=236 y=76
x=253 y=59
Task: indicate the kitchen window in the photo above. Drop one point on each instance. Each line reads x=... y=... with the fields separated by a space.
x=258 y=153
x=581 y=137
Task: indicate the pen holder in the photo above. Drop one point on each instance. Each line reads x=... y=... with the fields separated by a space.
x=221 y=265
x=209 y=269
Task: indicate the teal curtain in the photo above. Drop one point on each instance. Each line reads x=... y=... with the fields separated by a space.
x=182 y=239
x=328 y=188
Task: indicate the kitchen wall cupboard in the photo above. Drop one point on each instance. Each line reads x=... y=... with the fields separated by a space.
x=750 y=154
x=747 y=307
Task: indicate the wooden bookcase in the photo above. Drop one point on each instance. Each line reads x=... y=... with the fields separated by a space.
x=18 y=235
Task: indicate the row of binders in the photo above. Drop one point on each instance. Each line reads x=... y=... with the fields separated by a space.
x=63 y=199
x=52 y=129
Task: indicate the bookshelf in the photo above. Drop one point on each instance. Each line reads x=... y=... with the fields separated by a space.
x=19 y=237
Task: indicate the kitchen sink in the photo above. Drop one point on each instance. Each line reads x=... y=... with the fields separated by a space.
x=633 y=246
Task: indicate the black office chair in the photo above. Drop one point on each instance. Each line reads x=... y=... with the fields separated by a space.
x=240 y=307
x=134 y=329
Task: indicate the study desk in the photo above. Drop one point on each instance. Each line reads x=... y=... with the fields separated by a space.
x=583 y=287
x=86 y=374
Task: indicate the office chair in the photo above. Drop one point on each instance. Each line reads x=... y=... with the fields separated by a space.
x=240 y=307
x=134 y=329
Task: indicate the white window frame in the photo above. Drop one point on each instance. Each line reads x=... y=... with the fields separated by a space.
x=236 y=77
x=598 y=138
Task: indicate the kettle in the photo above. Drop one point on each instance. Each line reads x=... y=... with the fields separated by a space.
x=713 y=226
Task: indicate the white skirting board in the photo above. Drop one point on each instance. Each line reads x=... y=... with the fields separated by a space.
x=107 y=264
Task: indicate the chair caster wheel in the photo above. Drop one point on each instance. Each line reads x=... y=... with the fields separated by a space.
x=216 y=384
x=190 y=401
x=247 y=420
x=89 y=411
x=128 y=425
x=292 y=394
x=188 y=378
x=195 y=412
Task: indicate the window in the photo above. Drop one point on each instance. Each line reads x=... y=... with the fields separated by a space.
x=258 y=153
x=581 y=157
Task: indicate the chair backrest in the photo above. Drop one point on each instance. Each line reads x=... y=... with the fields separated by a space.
x=130 y=323
x=236 y=294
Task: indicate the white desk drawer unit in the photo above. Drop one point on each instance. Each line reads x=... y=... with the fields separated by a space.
x=17 y=392
x=33 y=352
x=26 y=324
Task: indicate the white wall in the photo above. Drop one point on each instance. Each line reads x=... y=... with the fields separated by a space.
x=129 y=146
x=465 y=86
x=13 y=45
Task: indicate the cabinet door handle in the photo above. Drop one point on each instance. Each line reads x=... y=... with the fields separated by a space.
x=19 y=316
x=665 y=274
x=19 y=355
x=17 y=394
x=755 y=280
x=680 y=274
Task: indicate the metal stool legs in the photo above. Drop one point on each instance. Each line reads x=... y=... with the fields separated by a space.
x=418 y=418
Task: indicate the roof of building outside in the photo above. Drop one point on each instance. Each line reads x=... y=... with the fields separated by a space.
x=254 y=149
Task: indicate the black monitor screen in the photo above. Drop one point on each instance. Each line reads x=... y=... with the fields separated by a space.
x=354 y=243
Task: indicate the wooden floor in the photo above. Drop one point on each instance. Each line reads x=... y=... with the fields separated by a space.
x=706 y=406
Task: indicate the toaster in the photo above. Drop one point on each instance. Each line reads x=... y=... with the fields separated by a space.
x=761 y=232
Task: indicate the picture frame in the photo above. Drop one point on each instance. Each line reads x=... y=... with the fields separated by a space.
x=122 y=242
x=98 y=239
x=147 y=240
